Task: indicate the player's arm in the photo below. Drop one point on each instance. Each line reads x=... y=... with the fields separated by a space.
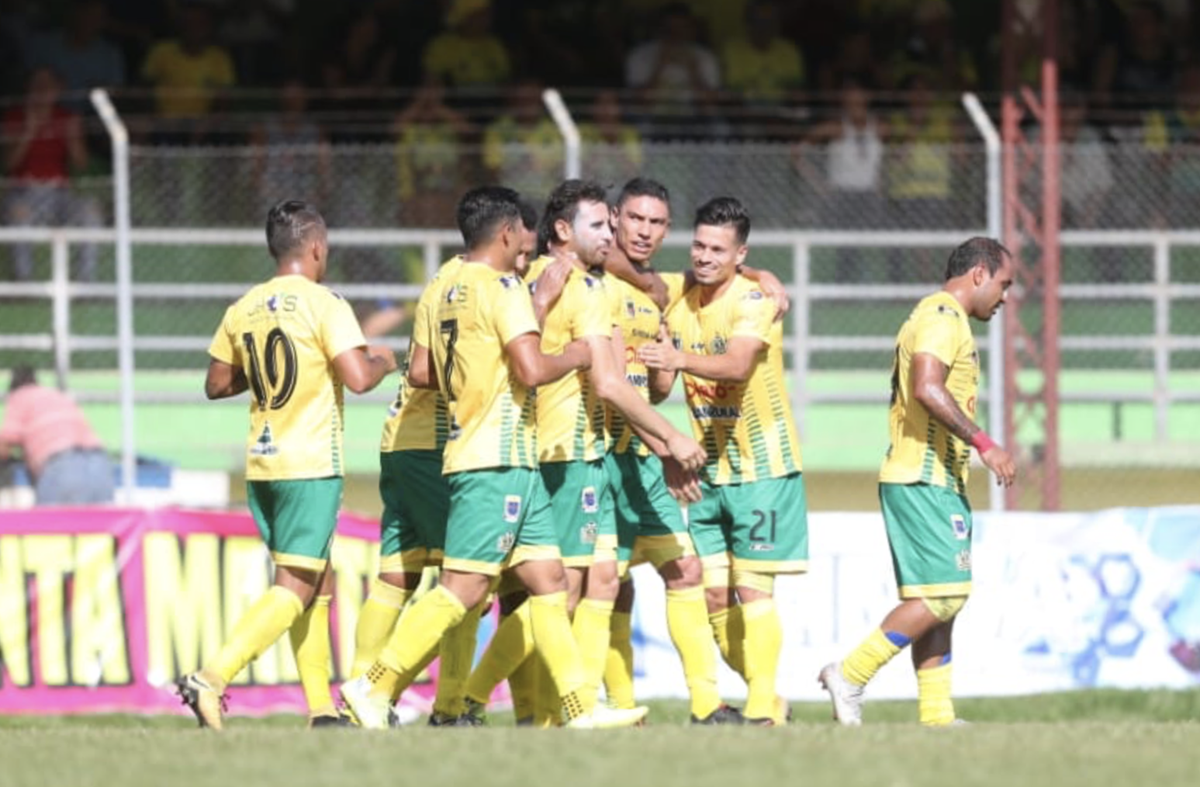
x=771 y=286
x=224 y=380
x=421 y=371
x=735 y=365
x=612 y=387
x=929 y=388
x=645 y=279
x=549 y=287
x=362 y=368
x=533 y=368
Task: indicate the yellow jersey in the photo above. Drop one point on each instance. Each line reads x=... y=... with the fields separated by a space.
x=638 y=317
x=746 y=427
x=922 y=448
x=493 y=420
x=284 y=334
x=570 y=416
x=417 y=418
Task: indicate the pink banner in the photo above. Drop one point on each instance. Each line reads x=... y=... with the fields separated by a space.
x=102 y=609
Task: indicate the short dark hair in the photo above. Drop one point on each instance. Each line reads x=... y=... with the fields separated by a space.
x=22 y=375
x=483 y=211
x=290 y=224
x=529 y=213
x=564 y=202
x=643 y=187
x=976 y=251
x=722 y=212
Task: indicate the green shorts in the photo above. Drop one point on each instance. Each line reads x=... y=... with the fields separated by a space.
x=929 y=532
x=650 y=525
x=416 y=501
x=296 y=518
x=763 y=525
x=498 y=517
x=581 y=505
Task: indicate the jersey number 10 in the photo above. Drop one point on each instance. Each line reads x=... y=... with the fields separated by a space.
x=282 y=382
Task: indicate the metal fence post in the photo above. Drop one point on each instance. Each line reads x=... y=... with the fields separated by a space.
x=567 y=128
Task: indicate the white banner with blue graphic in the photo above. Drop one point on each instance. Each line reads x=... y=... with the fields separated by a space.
x=1060 y=601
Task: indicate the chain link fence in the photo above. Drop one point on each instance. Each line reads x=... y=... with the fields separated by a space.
x=852 y=180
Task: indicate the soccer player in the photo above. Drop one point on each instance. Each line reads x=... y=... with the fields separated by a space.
x=572 y=438
x=750 y=523
x=485 y=358
x=293 y=344
x=923 y=482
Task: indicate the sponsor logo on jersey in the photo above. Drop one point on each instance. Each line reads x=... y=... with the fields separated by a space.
x=588 y=533
x=265 y=444
x=754 y=295
x=961 y=531
x=718 y=345
x=512 y=508
x=589 y=501
x=509 y=282
x=630 y=309
x=758 y=546
x=963 y=560
x=505 y=543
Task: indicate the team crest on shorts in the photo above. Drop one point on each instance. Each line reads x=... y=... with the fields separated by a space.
x=505 y=543
x=588 y=500
x=959 y=523
x=588 y=533
x=963 y=560
x=512 y=508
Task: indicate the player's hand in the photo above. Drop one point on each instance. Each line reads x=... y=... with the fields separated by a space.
x=550 y=284
x=682 y=485
x=687 y=452
x=386 y=353
x=661 y=354
x=1002 y=464
x=773 y=288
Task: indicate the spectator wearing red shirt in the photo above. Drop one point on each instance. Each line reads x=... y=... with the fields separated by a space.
x=43 y=145
x=65 y=457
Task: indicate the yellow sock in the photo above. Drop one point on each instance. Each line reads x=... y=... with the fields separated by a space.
x=258 y=629
x=934 y=706
x=764 y=641
x=871 y=654
x=310 y=644
x=687 y=623
x=618 y=667
x=456 y=654
x=414 y=639
x=511 y=645
x=547 y=705
x=592 y=626
x=376 y=620
x=553 y=639
x=522 y=686
x=729 y=630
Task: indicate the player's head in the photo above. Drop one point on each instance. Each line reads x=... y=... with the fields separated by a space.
x=22 y=375
x=529 y=235
x=576 y=220
x=641 y=219
x=491 y=216
x=296 y=231
x=721 y=229
x=985 y=269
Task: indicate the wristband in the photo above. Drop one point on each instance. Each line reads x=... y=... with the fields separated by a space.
x=982 y=442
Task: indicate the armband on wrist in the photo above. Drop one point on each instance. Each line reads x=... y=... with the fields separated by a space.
x=982 y=442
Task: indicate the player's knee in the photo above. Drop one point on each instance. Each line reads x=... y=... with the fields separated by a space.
x=754 y=581
x=683 y=572
x=944 y=609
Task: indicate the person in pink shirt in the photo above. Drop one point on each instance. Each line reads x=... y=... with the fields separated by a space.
x=65 y=457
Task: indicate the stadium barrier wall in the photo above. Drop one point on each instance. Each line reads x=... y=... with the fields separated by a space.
x=100 y=609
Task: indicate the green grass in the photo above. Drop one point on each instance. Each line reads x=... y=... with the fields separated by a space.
x=1063 y=740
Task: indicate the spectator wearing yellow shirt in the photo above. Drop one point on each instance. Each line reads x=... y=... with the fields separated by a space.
x=188 y=72
x=764 y=70
x=468 y=54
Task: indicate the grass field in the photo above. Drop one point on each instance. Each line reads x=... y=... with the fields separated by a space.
x=1064 y=740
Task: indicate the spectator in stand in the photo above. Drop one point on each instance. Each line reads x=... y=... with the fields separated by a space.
x=188 y=74
x=1139 y=70
x=356 y=70
x=675 y=76
x=65 y=458
x=764 y=69
x=1173 y=135
x=612 y=149
x=81 y=55
x=43 y=148
x=292 y=151
x=430 y=166
x=467 y=54
x=522 y=148
x=256 y=33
